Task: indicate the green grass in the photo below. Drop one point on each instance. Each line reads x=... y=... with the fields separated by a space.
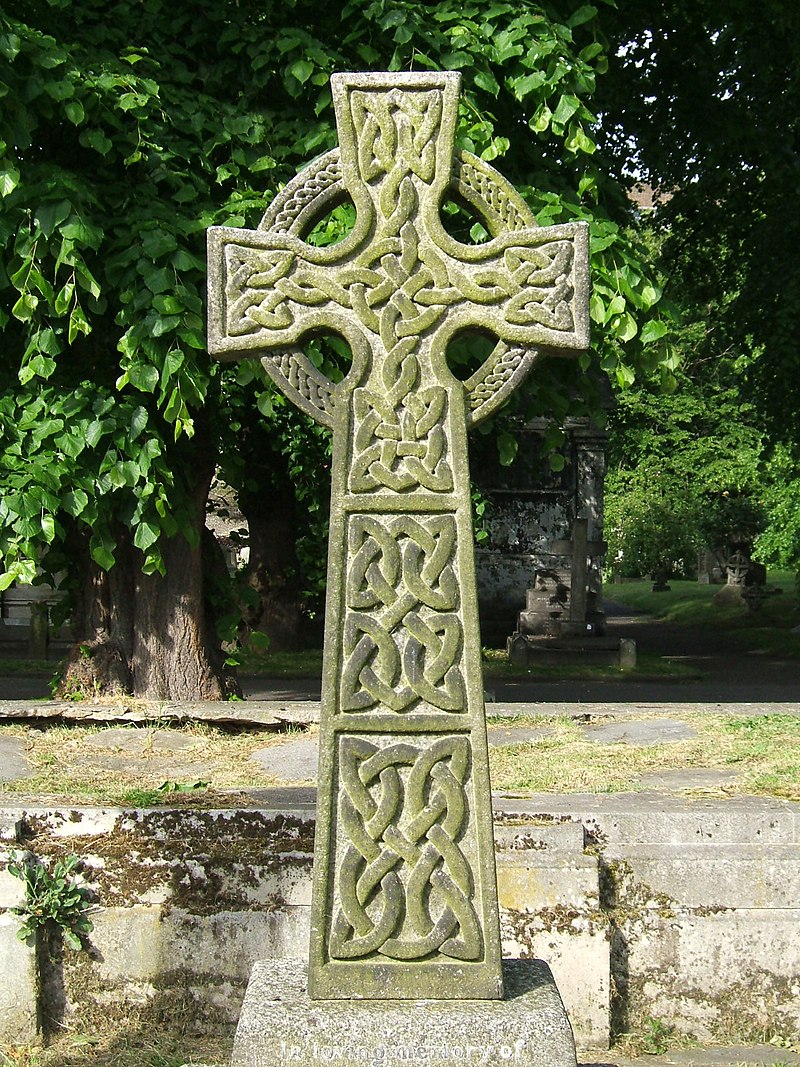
x=306 y=664
x=691 y=604
x=762 y=753
x=45 y=668
x=496 y=666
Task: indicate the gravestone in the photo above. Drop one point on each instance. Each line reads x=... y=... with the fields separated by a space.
x=404 y=900
x=579 y=550
x=531 y=509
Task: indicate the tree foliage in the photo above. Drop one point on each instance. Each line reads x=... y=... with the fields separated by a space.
x=127 y=129
x=702 y=101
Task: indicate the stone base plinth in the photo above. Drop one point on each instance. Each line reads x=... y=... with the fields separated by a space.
x=279 y=1025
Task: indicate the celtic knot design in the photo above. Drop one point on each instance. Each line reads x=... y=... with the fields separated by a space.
x=403 y=854
x=400 y=444
x=405 y=887
x=397 y=126
x=402 y=633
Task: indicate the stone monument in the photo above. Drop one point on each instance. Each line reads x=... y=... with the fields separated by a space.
x=404 y=902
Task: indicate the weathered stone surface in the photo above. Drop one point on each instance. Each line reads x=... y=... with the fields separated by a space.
x=404 y=900
x=749 y=961
x=139 y=741
x=187 y=900
x=644 y=732
x=18 y=985
x=12 y=759
x=549 y=892
x=280 y=1025
x=293 y=761
x=258 y=712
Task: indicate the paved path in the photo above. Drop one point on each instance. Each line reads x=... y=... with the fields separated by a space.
x=724 y=675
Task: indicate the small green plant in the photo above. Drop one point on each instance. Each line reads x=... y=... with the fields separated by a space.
x=655 y=1036
x=147 y=798
x=51 y=900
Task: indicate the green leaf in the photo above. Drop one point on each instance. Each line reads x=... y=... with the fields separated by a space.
x=72 y=939
x=64 y=298
x=146 y=535
x=49 y=215
x=597 y=309
x=78 y=323
x=507 y=447
x=60 y=90
x=74 y=501
x=625 y=327
x=158 y=280
x=143 y=376
x=567 y=106
x=302 y=70
x=557 y=462
x=9 y=178
x=9 y=46
x=97 y=140
x=74 y=112
x=582 y=15
x=167 y=305
x=103 y=556
x=653 y=331
x=138 y=422
x=25 y=307
x=165 y=324
x=484 y=79
x=157 y=243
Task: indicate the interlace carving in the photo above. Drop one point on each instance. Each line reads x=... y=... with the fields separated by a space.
x=402 y=633
x=404 y=867
x=405 y=886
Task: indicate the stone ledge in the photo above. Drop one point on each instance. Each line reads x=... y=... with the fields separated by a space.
x=280 y=1025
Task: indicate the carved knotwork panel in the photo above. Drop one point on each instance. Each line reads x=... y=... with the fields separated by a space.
x=403 y=865
x=405 y=886
x=403 y=636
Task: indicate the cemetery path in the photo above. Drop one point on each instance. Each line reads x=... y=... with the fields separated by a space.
x=722 y=675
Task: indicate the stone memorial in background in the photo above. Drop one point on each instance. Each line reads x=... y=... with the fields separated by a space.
x=404 y=901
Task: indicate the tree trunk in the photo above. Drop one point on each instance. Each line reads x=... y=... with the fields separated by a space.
x=147 y=635
x=273 y=570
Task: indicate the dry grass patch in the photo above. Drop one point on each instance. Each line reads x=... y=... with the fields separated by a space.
x=83 y=764
x=763 y=752
x=118 y=1048
x=75 y=762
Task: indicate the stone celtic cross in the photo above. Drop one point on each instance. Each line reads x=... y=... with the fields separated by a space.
x=404 y=896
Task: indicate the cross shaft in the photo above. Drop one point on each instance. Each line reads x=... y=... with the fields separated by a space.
x=404 y=901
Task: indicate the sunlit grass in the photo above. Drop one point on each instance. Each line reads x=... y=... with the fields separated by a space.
x=762 y=754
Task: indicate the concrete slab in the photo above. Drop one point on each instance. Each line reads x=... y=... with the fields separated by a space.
x=279 y=1024
x=620 y=822
x=138 y=740
x=18 y=996
x=644 y=732
x=13 y=764
x=749 y=960
x=680 y=781
x=148 y=764
x=291 y=761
